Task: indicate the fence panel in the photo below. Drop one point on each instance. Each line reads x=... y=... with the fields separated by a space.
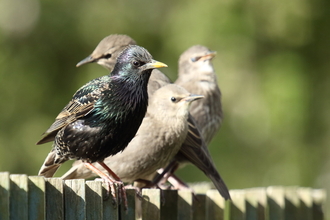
x=33 y=198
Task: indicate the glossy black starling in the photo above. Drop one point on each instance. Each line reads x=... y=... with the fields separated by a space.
x=193 y=149
x=103 y=115
x=197 y=75
x=157 y=141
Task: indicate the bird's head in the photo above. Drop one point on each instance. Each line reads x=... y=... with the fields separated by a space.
x=108 y=50
x=197 y=59
x=135 y=61
x=171 y=101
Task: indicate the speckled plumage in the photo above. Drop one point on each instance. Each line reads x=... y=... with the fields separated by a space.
x=157 y=141
x=103 y=115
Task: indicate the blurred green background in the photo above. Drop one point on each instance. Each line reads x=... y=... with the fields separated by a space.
x=272 y=65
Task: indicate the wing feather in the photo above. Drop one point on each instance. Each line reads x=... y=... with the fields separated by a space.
x=81 y=105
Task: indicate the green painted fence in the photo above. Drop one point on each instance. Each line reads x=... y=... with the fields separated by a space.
x=34 y=198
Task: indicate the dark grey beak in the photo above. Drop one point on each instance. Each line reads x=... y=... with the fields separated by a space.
x=88 y=59
x=192 y=97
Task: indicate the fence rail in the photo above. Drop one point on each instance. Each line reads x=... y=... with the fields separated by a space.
x=33 y=197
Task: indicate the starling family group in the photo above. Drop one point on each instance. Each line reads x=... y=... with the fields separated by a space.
x=134 y=125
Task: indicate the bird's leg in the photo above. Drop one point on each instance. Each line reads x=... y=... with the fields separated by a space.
x=163 y=175
x=167 y=174
x=106 y=179
x=112 y=174
x=177 y=183
x=121 y=187
x=172 y=167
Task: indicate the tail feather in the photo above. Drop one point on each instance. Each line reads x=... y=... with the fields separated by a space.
x=201 y=158
x=51 y=164
x=219 y=184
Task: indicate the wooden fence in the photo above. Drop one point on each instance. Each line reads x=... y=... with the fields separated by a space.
x=33 y=197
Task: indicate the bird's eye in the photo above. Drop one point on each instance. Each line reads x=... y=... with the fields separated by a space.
x=136 y=63
x=107 y=56
x=194 y=59
x=173 y=99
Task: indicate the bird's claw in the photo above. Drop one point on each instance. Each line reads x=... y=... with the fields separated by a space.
x=112 y=189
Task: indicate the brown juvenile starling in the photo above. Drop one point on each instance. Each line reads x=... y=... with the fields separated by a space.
x=197 y=75
x=103 y=116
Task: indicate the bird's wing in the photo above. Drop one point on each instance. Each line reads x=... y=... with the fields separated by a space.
x=81 y=104
x=194 y=136
x=195 y=150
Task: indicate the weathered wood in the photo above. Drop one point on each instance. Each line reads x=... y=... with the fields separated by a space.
x=19 y=197
x=169 y=205
x=23 y=197
x=36 y=197
x=292 y=203
x=201 y=187
x=94 y=200
x=4 y=195
x=110 y=204
x=215 y=205
x=129 y=214
x=74 y=203
x=185 y=202
x=276 y=203
x=237 y=205
x=151 y=204
x=54 y=199
x=306 y=203
x=319 y=198
x=199 y=207
x=256 y=203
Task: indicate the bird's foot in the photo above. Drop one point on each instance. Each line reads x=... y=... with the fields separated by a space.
x=110 y=180
x=122 y=194
x=177 y=184
x=112 y=189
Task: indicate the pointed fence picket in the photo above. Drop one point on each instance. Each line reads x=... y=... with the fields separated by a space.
x=34 y=197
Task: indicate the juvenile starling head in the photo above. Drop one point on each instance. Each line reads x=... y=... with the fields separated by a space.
x=107 y=51
x=173 y=101
x=197 y=59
